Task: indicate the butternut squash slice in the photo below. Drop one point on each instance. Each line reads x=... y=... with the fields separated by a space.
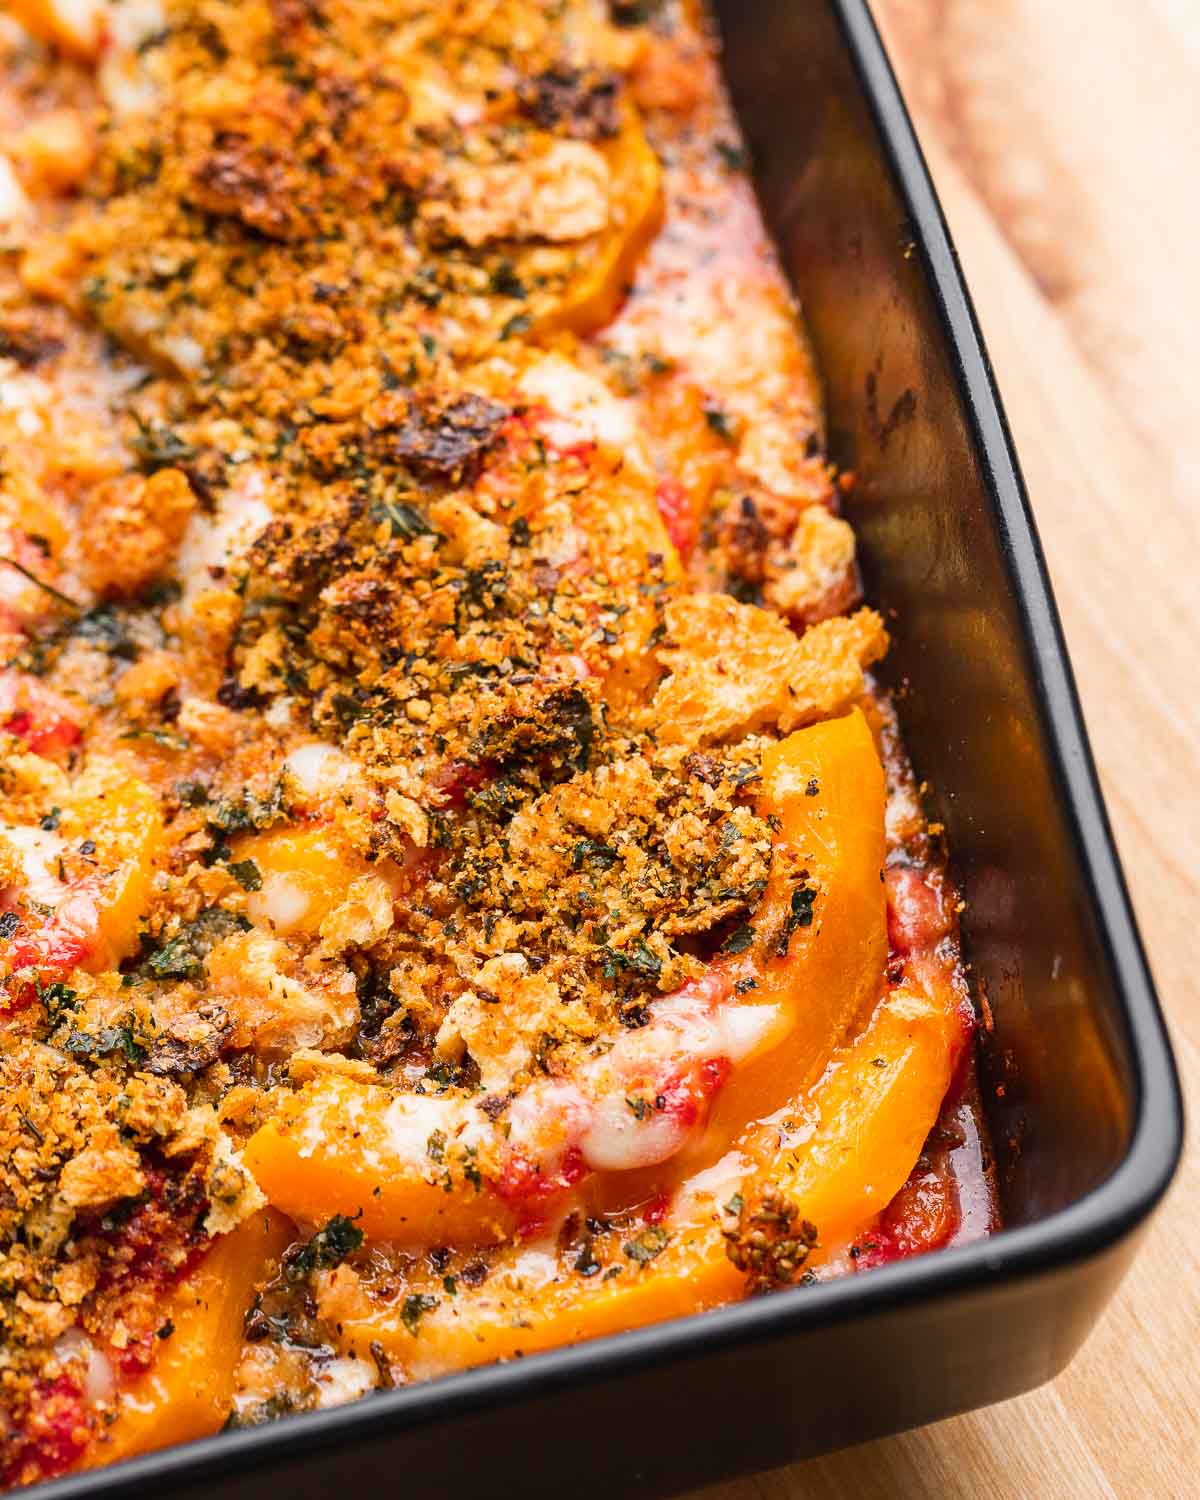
x=604 y=266
x=123 y=820
x=341 y=1146
x=187 y=1391
x=872 y=1114
x=821 y=928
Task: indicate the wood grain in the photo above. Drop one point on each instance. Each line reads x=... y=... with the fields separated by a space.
x=1063 y=138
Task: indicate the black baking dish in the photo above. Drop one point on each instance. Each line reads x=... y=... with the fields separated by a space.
x=1082 y=1095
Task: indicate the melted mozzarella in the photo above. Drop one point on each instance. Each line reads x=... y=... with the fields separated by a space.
x=15 y=207
x=129 y=89
x=342 y=1380
x=221 y=541
x=133 y=22
x=319 y=770
x=583 y=409
x=593 y=1110
x=617 y=1141
x=39 y=853
x=99 y=1381
x=281 y=903
x=413 y=1118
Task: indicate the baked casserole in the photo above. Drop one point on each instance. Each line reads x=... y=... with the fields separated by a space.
x=462 y=890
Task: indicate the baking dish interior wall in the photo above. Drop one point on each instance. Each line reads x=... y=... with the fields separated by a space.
x=1055 y=1069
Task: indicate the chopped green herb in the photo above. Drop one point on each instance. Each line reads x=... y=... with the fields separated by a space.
x=157 y=447
x=48 y=589
x=800 y=914
x=329 y=1247
x=643 y=1248
x=162 y=737
x=414 y=1309
x=719 y=422
x=58 y=999
x=592 y=852
x=102 y=627
x=739 y=939
x=404 y=520
x=516 y=326
x=107 y=1042
x=247 y=874
x=183 y=955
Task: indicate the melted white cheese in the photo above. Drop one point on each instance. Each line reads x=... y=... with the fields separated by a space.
x=15 y=207
x=583 y=409
x=222 y=540
x=282 y=903
x=39 y=852
x=319 y=770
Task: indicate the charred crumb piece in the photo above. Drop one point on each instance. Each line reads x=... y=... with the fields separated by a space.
x=387 y=1379
x=744 y=540
x=771 y=1242
x=634 y=12
x=474 y=1273
x=176 y=1057
x=443 y=438
x=28 y=342
x=704 y=767
x=233 y=694
x=290 y=562
x=254 y=184
x=581 y=103
x=494 y=1105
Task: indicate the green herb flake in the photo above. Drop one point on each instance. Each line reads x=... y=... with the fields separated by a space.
x=157 y=447
x=718 y=422
x=404 y=521
x=58 y=999
x=739 y=939
x=247 y=874
x=414 y=1309
x=800 y=914
x=182 y=956
x=329 y=1247
x=643 y=1248
x=162 y=737
x=516 y=326
x=109 y=1041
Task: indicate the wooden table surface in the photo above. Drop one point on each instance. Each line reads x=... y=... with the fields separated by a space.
x=1064 y=138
